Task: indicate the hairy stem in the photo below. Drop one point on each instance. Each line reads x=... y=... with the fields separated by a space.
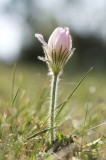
x=53 y=105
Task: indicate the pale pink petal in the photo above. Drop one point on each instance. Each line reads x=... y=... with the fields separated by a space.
x=41 y=39
x=60 y=37
x=61 y=40
x=69 y=38
x=52 y=38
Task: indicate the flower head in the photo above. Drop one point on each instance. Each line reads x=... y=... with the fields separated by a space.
x=58 y=50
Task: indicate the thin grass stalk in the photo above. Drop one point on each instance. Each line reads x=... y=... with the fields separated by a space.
x=13 y=81
x=69 y=97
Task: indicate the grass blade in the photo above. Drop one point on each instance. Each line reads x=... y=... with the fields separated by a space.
x=68 y=99
x=40 y=132
x=14 y=98
x=13 y=81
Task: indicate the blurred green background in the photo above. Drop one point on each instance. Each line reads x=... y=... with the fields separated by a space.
x=21 y=19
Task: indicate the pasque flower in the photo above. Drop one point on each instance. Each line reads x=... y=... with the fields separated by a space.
x=58 y=50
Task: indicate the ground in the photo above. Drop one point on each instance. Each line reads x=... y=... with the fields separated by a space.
x=24 y=103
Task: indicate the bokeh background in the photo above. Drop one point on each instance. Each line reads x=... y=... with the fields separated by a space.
x=21 y=19
x=25 y=86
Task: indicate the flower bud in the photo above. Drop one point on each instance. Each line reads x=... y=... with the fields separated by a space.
x=60 y=38
x=58 y=50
